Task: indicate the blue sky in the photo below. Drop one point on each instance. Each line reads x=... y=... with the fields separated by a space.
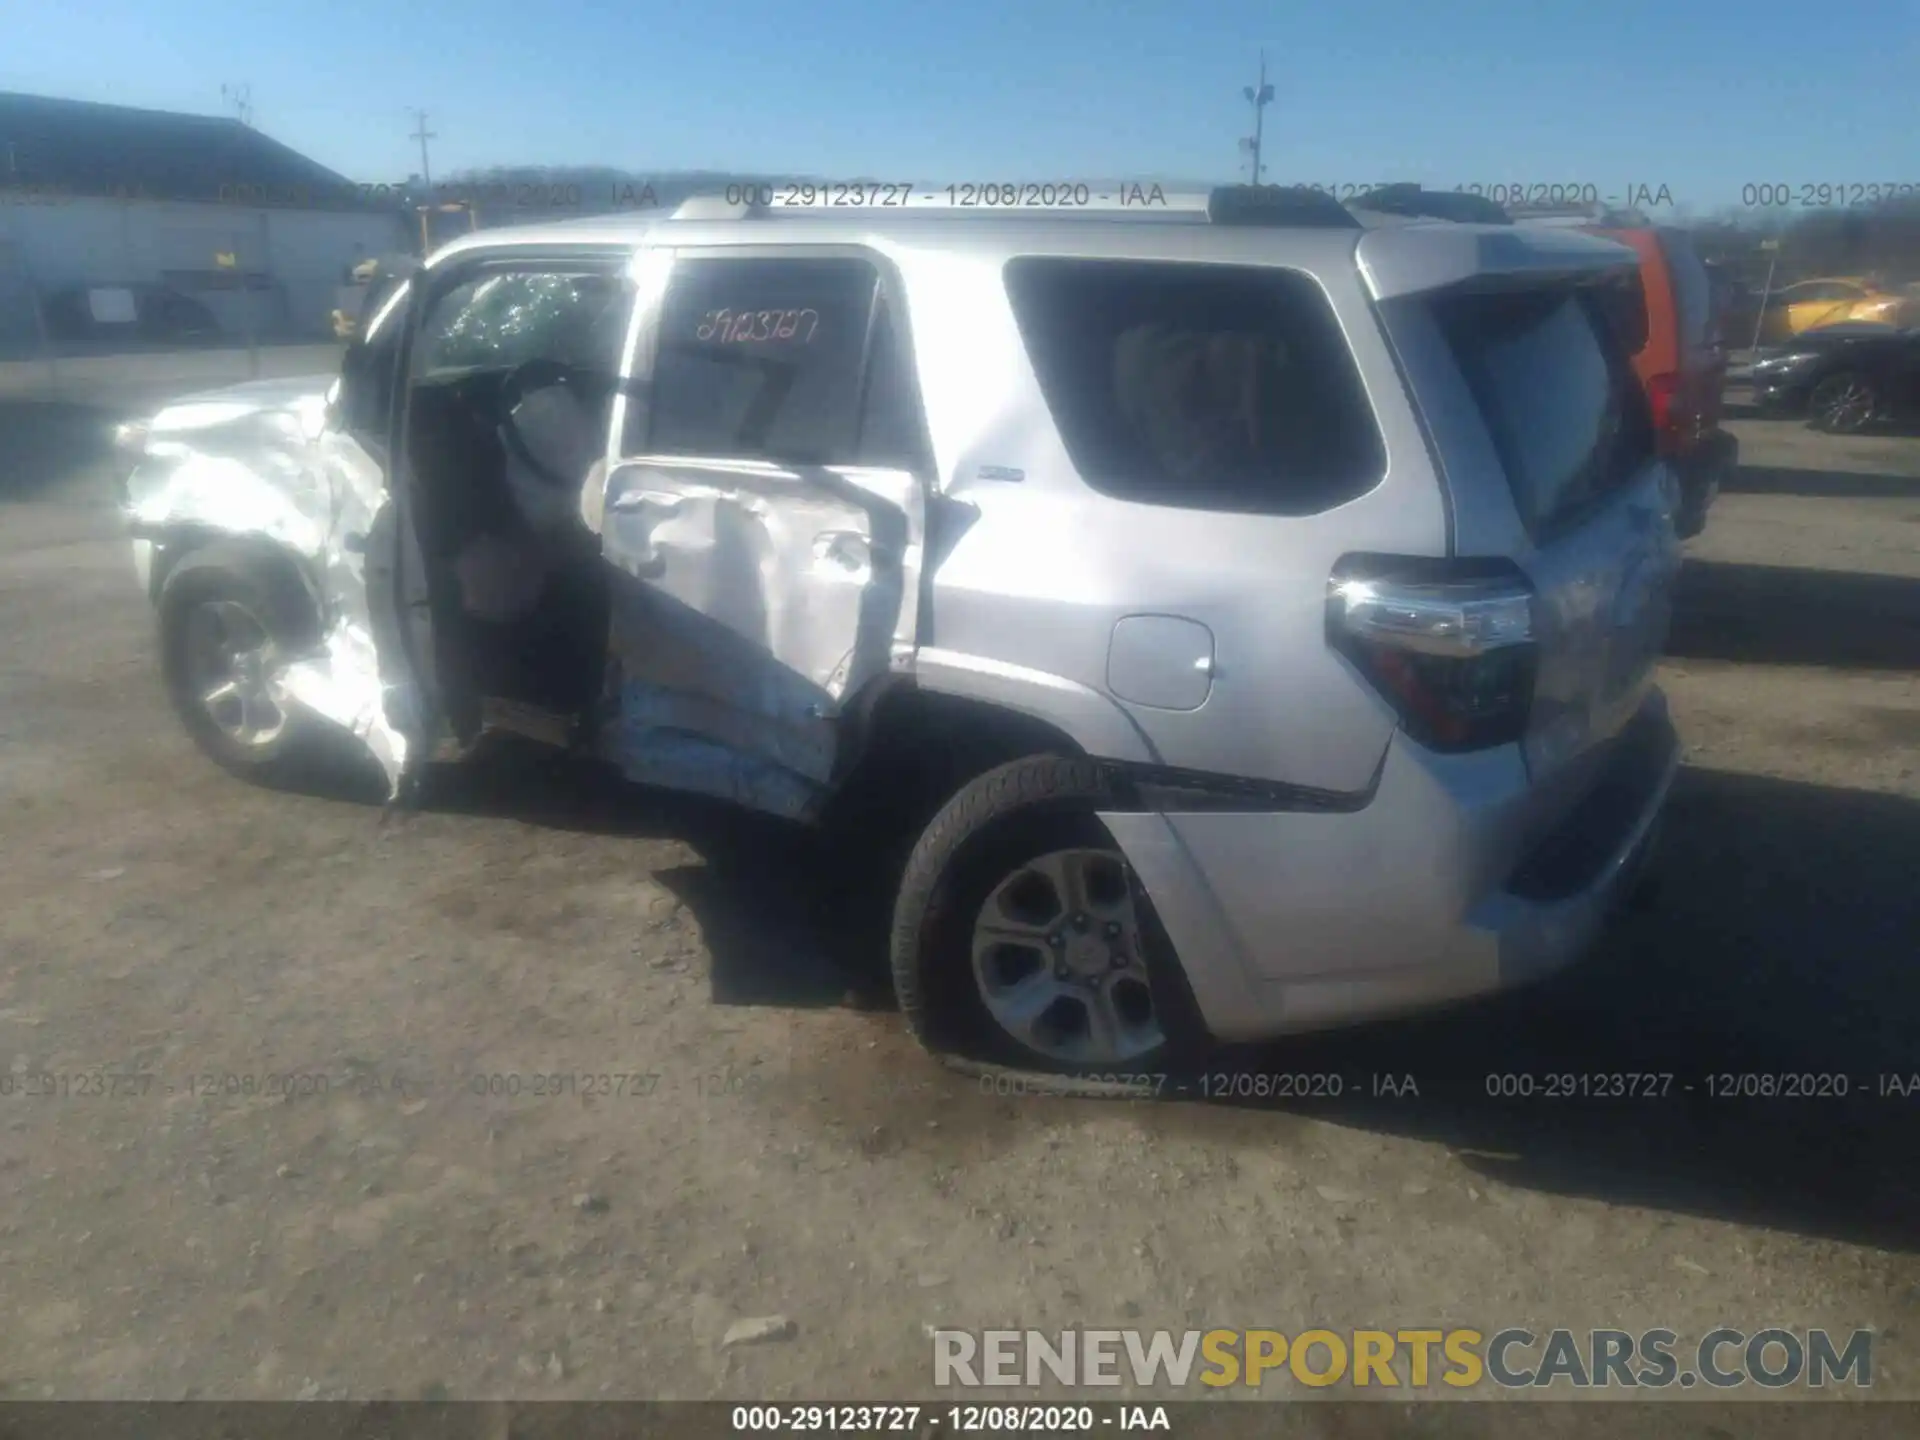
x=1702 y=96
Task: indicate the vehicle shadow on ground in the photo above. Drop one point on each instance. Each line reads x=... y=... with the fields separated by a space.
x=1780 y=942
x=43 y=444
x=786 y=913
x=1786 y=615
x=1833 y=484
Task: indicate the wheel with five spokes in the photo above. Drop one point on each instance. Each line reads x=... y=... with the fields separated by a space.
x=1022 y=938
x=227 y=632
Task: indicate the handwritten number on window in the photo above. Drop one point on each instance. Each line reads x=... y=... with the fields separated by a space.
x=747 y=327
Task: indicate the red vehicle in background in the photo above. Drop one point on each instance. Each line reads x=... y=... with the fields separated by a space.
x=1682 y=363
x=1681 y=359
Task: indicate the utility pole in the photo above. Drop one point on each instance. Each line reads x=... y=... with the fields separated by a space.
x=1259 y=97
x=422 y=134
x=240 y=97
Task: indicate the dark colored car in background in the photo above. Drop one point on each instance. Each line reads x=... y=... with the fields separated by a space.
x=1682 y=362
x=136 y=311
x=1843 y=378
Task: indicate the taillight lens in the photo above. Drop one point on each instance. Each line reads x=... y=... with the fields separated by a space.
x=1449 y=644
x=1671 y=413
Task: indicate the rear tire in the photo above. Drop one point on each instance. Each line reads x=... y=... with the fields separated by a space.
x=1842 y=404
x=1076 y=979
x=227 y=624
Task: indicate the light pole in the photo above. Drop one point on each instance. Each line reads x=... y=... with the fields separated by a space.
x=1259 y=97
x=422 y=134
x=240 y=97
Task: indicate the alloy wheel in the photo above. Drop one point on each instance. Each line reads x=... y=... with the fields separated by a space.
x=1059 y=963
x=231 y=669
x=1843 y=404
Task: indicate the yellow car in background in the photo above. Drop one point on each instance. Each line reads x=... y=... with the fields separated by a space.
x=1841 y=300
x=353 y=298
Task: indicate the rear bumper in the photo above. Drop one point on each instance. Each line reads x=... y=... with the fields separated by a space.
x=1461 y=877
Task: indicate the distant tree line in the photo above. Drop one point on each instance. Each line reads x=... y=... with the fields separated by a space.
x=1880 y=241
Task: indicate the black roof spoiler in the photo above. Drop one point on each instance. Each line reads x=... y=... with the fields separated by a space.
x=1277 y=205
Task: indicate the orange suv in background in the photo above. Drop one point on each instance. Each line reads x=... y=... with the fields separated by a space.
x=1682 y=359
x=1682 y=364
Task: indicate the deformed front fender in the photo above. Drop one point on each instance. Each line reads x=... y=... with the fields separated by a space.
x=243 y=468
x=236 y=462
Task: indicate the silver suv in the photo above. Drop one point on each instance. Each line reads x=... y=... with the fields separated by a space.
x=1243 y=608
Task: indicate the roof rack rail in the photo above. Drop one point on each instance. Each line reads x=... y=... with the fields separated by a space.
x=1270 y=205
x=1412 y=201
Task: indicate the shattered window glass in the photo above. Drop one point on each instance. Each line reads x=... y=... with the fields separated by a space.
x=499 y=321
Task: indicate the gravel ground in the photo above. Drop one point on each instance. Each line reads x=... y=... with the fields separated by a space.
x=384 y=1229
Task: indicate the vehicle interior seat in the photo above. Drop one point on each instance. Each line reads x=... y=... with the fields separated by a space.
x=530 y=597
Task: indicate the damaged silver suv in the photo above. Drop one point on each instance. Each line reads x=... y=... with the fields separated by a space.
x=1249 y=603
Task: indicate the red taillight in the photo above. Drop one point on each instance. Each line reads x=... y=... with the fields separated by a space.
x=1672 y=416
x=1449 y=644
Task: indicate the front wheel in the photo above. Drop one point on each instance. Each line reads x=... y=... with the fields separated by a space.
x=1842 y=404
x=1021 y=936
x=226 y=635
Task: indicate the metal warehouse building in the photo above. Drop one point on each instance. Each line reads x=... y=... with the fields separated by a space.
x=105 y=195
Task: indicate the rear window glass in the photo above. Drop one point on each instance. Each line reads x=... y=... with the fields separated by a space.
x=1552 y=381
x=1204 y=386
x=1692 y=289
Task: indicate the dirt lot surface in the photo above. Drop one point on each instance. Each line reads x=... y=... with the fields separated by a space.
x=386 y=1229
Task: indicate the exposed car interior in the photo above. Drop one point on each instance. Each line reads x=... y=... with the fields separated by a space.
x=508 y=413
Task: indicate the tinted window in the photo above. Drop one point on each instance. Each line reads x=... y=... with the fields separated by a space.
x=1206 y=386
x=500 y=319
x=760 y=359
x=1692 y=289
x=1623 y=302
x=1557 y=394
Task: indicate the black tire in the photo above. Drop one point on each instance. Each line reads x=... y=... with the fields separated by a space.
x=990 y=827
x=1843 y=403
x=219 y=576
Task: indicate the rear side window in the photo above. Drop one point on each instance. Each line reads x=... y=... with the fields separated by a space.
x=1692 y=289
x=760 y=359
x=1214 y=387
x=1558 y=395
